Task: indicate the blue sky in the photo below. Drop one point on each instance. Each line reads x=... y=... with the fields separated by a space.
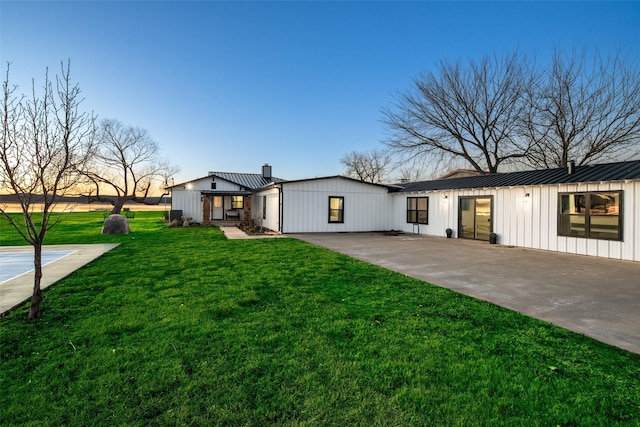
x=228 y=86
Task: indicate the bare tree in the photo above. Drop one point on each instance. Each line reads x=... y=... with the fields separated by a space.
x=369 y=166
x=45 y=142
x=464 y=112
x=587 y=109
x=126 y=163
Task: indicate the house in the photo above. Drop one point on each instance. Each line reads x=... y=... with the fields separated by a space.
x=219 y=196
x=589 y=210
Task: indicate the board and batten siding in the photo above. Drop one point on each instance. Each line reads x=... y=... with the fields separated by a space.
x=272 y=218
x=188 y=201
x=530 y=222
x=306 y=206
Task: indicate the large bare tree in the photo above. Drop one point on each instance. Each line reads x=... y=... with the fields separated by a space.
x=369 y=166
x=126 y=163
x=46 y=141
x=586 y=108
x=468 y=112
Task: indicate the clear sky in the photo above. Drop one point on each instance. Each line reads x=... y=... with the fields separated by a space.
x=228 y=86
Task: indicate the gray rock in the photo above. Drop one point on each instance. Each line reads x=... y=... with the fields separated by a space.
x=116 y=224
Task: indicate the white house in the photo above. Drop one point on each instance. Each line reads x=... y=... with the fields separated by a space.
x=219 y=196
x=590 y=210
x=326 y=204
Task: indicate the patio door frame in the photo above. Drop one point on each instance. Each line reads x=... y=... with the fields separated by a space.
x=474 y=199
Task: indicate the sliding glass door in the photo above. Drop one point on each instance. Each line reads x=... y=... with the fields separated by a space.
x=475 y=217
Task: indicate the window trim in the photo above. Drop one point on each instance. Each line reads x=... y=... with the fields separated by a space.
x=587 y=215
x=237 y=204
x=417 y=211
x=341 y=210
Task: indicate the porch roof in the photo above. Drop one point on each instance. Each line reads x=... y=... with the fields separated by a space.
x=225 y=193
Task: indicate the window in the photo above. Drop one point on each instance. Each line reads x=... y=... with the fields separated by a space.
x=336 y=209
x=264 y=207
x=418 y=210
x=237 y=202
x=213 y=185
x=593 y=215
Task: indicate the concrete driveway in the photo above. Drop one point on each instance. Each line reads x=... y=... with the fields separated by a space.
x=597 y=297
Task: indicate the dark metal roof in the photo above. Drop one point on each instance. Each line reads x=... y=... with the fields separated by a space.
x=390 y=186
x=589 y=173
x=249 y=181
x=226 y=193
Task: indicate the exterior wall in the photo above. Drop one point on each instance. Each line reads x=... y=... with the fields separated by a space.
x=532 y=223
x=188 y=201
x=443 y=211
x=306 y=206
x=272 y=219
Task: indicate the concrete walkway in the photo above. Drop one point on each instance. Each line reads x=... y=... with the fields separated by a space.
x=16 y=291
x=597 y=297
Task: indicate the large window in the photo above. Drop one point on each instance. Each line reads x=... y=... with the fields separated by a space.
x=593 y=215
x=336 y=209
x=237 y=202
x=418 y=210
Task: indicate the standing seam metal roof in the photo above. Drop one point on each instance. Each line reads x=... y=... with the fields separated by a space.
x=589 y=173
x=250 y=181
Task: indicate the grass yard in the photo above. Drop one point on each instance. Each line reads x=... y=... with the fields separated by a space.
x=183 y=327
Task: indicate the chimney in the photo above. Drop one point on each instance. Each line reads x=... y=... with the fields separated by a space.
x=266 y=171
x=571 y=167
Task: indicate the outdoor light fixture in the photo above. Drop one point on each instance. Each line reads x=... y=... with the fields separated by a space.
x=445 y=200
x=526 y=197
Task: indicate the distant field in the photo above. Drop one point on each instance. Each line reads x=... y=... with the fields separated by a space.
x=87 y=207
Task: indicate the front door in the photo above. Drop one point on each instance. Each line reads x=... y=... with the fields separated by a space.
x=475 y=217
x=218 y=211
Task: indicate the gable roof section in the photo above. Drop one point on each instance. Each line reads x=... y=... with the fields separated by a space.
x=346 y=178
x=249 y=181
x=589 y=173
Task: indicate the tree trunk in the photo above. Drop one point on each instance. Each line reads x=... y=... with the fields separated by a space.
x=37 y=292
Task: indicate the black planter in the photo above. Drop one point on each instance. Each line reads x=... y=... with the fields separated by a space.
x=493 y=238
x=449 y=233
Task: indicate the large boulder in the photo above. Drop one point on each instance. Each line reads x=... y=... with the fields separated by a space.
x=116 y=224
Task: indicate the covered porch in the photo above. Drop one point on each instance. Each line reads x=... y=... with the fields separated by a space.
x=225 y=208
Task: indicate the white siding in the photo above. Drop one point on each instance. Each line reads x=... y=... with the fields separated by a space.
x=530 y=224
x=306 y=206
x=272 y=219
x=188 y=201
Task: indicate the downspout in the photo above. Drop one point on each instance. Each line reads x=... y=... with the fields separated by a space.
x=280 y=209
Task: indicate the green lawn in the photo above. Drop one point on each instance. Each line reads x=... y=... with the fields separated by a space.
x=183 y=327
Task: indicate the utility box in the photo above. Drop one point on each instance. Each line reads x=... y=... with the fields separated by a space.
x=175 y=214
